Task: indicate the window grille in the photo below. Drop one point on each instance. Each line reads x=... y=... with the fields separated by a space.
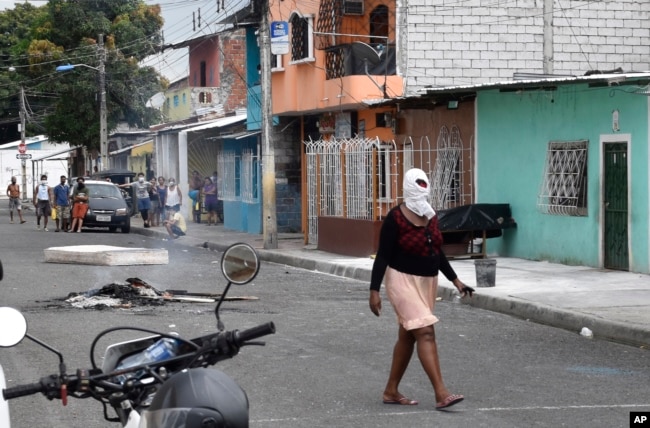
x=205 y=97
x=227 y=162
x=353 y=7
x=386 y=155
x=447 y=180
x=564 y=184
x=301 y=37
x=249 y=176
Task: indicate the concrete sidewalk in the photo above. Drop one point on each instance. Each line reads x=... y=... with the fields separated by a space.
x=614 y=305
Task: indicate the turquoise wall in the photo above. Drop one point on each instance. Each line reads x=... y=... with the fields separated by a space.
x=513 y=131
x=254 y=95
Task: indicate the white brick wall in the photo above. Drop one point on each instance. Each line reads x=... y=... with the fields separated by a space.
x=476 y=41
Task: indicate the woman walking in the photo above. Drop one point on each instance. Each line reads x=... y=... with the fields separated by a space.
x=410 y=256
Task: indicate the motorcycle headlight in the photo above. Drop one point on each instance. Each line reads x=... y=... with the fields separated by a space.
x=120 y=211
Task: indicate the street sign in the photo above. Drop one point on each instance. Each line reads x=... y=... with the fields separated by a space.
x=279 y=37
x=22 y=147
x=24 y=156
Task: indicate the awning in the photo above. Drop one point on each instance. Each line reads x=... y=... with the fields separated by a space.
x=219 y=123
x=142 y=149
x=124 y=149
x=50 y=155
x=238 y=135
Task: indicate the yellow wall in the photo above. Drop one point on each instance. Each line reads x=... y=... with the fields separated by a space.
x=183 y=110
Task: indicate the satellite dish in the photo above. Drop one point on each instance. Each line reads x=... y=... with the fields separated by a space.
x=363 y=51
x=156 y=101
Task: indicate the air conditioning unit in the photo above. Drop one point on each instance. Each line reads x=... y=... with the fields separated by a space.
x=352 y=7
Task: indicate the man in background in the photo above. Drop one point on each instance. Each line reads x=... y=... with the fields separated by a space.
x=13 y=191
x=62 y=204
x=43 y=203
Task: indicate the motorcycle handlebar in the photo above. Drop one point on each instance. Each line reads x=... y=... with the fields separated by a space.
x=254 y=333
x=235 y=339
x=22 y=390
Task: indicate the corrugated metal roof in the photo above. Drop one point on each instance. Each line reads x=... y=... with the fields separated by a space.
x=50 y=155
x=217 y=123
x=613 y=79
x=123 y=149
x=29 y=140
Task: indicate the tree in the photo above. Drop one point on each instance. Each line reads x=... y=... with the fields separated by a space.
x=15 y=35
x=67 y=32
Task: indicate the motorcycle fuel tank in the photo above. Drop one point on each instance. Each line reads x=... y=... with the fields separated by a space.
x=198 y=398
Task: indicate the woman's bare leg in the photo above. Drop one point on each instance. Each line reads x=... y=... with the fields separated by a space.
x=402 y=353
x=427 y=350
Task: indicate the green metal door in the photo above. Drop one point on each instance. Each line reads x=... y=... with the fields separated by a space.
x=616 y=237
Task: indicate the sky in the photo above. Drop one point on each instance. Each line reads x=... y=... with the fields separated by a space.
x=181 y=23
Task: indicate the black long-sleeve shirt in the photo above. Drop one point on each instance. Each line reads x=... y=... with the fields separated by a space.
x=408 y=248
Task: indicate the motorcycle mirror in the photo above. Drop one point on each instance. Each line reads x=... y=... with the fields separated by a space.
x=14 y=327
x=240 y=264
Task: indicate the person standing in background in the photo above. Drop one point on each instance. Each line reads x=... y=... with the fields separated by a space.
x=141 y=190
x=13 y=192
x=210 y=192
x=195 y=195
x=217 y=183
x=154 y=214
x=174 y=197
x=43 y=203
x=162 y=198
x=80 y=205
x=62 y=204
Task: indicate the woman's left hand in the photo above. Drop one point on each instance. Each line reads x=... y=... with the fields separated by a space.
x=463 y=289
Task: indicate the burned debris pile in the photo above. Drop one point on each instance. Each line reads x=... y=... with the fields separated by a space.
x=136 y=292
x=133 y=292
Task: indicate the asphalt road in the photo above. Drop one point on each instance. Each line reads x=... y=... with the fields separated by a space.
x=327 y=364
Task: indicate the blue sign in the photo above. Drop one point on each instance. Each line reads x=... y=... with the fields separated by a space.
x=279 y=37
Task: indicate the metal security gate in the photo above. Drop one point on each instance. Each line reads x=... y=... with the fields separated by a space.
x=361 y=178
x=616 y=213
x=202 y=154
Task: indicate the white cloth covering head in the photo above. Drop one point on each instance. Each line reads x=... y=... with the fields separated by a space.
x=416 y=196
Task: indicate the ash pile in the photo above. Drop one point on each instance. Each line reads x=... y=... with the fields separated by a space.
x=133 y=292
x=136 y=292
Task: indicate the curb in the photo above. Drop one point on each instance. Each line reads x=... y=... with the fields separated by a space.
x=539 y=313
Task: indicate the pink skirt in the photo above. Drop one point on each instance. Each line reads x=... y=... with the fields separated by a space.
x=413 y=298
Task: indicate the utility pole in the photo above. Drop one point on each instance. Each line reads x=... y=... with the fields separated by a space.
x=270 y=221
x=23 y=162
x=103 y=142
x=548 y=37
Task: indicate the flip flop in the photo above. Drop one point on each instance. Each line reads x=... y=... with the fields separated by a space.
x=449 y=401
x=403 y=401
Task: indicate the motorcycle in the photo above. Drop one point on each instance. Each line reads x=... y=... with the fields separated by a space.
x=160 y=380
